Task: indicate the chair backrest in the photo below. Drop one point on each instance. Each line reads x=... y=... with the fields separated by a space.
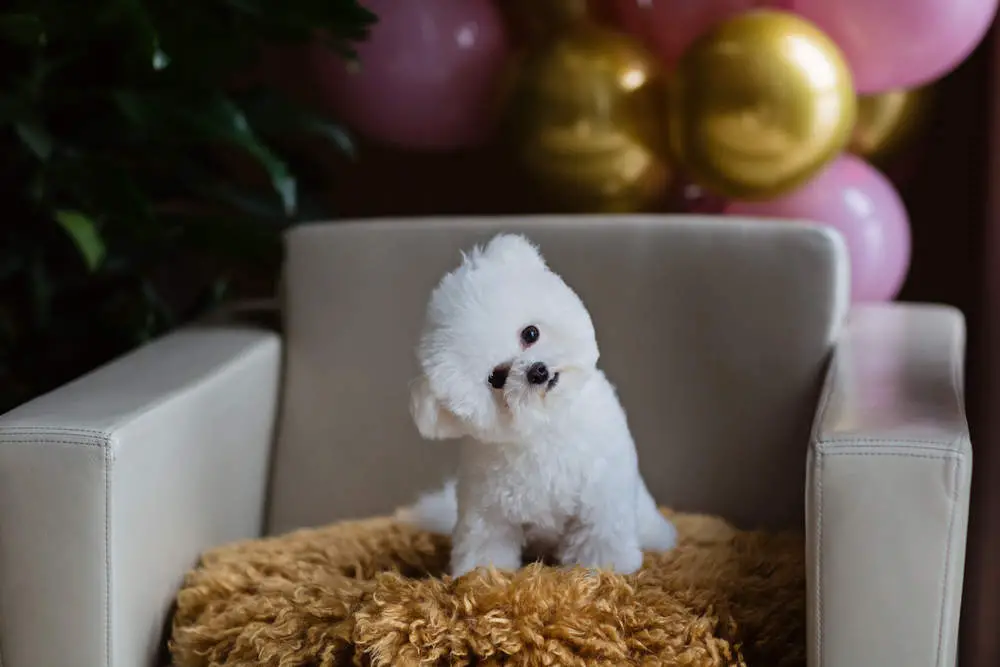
x=716 y=332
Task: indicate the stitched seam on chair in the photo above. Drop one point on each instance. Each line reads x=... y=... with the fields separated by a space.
x=820 y=654
x=829 y=388
x=104 y=444
x=947 y=562
x=904 y=455
x=21 y=430
x=108 y=463
x=35 y=441
x=936 y=445
x=959 y=458
x=20 y=433
x=956 y=389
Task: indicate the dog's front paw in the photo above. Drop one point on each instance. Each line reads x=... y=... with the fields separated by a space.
x=487 y=547
x=461 y=567
x=599 y=553
x=463 y=563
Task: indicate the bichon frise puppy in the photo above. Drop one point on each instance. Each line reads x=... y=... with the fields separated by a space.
x=509 y=361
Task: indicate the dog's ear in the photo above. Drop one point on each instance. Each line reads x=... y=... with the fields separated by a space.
x=433 y=420
x=514 y=248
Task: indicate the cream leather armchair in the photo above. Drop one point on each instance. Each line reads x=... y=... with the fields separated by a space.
x=753 y=391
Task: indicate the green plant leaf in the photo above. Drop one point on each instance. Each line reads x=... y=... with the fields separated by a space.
x=107 y=184
x=160 y=59
x=109 y=111
x=237 y=129
x=210 y=297
x=272 y=113
x=247 y=200
x=35 y=138
x=159 y=314
x=204 y=121
x=83 y=231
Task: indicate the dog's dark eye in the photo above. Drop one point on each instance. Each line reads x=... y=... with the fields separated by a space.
x=498 y=378
x=529 y=335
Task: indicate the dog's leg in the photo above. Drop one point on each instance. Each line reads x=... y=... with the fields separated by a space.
x=604 y=537
x=483 y=542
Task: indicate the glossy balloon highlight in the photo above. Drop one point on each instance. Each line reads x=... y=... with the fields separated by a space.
x=855 y=199
x=426 y=79
x=585 y=117
x=759 y=104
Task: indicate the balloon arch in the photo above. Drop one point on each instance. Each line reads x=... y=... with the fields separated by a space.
x=776 y=108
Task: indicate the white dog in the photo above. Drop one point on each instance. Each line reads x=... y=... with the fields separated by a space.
x=509 y=359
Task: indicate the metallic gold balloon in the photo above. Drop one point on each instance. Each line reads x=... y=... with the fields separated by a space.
x=759 y=104
x=584 y=117
x=888 y=122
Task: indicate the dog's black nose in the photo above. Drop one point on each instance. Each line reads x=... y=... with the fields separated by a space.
x=498 y=378
x=538 y=373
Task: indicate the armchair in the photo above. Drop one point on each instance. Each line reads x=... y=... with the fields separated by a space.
x=753 y=389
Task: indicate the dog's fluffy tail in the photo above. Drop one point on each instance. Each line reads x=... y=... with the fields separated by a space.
x=656 y=532
x=435 y=512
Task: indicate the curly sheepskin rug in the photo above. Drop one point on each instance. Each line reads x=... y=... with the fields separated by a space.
x=369 y=593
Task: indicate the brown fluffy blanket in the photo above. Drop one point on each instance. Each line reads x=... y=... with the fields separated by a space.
x=369 y=593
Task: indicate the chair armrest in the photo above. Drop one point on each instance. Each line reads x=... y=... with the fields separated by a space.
x=112 y=485
x=888 y=492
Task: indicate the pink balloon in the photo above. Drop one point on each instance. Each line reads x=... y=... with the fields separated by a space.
x=668 y=27
x=854 y=198
x=900 y=43
x=428 y=74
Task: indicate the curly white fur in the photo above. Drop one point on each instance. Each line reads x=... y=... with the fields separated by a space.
x=548 y=462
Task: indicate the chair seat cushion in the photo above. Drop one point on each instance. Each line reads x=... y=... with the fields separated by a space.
x=370 y=592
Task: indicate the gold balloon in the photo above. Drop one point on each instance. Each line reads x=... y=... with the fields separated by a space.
x=888 y=122
x=584 y=116
x=759 y=104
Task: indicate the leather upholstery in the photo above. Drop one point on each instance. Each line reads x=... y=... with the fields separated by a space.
x=718 y=334
x=111 y=486
x=888 y=499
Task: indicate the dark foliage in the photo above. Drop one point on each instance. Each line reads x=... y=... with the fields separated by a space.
x=119 y=218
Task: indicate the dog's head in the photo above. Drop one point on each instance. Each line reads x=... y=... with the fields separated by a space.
x=505 y=343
